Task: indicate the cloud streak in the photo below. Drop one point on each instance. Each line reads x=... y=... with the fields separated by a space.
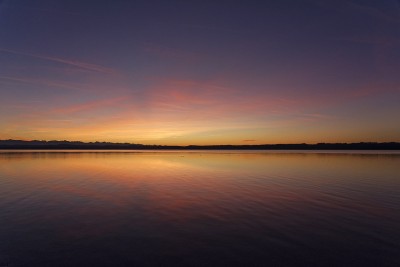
x=41 y=82
x=75 y=63
x=98 y=104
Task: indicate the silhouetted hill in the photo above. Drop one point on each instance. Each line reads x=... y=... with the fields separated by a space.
x=36 y=144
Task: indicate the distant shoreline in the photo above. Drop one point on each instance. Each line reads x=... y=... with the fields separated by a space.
x=73 y=145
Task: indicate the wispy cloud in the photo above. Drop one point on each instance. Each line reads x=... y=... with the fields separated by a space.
x=42 y=82
x=98 y=104
x=98 y=87
x=75 y=63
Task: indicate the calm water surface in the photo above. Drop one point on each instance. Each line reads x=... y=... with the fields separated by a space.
x=199 y=209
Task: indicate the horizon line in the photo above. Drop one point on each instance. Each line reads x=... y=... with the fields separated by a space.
x=17 y=143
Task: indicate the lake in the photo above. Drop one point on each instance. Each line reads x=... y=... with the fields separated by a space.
x=199 y=208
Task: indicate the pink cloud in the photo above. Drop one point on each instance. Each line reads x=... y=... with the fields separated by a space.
x=206 y=100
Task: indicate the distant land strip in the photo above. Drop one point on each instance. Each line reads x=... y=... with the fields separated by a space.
x=39 y=144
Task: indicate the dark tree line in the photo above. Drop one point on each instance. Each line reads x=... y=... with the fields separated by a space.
x=37 y=144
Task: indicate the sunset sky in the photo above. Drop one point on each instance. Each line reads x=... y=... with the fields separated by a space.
x=200 y=72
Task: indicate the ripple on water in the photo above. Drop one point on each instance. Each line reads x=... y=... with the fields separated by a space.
x=199 y=209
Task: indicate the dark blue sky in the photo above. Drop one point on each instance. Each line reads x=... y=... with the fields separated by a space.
x=200 y=71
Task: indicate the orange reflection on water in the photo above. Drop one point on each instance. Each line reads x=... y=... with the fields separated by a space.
x=186 y=185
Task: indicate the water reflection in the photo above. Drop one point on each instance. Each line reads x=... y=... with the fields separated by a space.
x=199 y=209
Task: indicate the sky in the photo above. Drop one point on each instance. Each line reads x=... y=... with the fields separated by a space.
x=200 y=72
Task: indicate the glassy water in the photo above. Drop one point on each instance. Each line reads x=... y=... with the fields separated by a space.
x=199 y=209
